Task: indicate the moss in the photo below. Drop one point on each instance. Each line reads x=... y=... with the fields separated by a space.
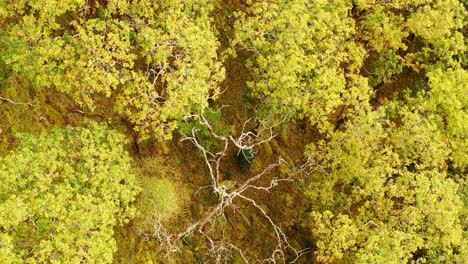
x=268 y=151
x=284 y=134
x=256 y=166
x=53 y=116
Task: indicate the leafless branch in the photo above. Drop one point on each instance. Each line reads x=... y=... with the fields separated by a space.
x=248 y=140
x=14 y=102
x=230 y=197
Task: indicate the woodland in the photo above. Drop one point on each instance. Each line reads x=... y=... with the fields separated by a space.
x=233 y=131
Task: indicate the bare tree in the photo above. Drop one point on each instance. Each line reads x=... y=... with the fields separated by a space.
x=231 y=197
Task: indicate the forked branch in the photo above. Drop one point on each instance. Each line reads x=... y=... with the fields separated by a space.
x=231 y=197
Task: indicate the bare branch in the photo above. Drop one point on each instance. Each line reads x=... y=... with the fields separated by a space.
x=249 y=140
x=228 y=197
x=14 y=102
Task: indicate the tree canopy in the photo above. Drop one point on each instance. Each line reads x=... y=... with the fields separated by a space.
x=279 y=131
x=61 y=195
x=159 y=60
x=297 y=50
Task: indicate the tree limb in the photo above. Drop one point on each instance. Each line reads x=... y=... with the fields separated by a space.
x=14 y=102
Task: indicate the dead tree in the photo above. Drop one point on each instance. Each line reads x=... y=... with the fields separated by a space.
x=231 y=197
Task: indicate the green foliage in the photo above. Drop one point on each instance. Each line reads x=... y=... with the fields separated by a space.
x=448 y=103
x=391 y=189
x=389 y=184
x=443 y=22
x=214 y=118
x=427 y=32
x=385 y=194
x=384 y=34
x=157 y=67
x=61 y=195
x=386 y=66
x=302 y=59
x=445 y=104
x=162 y=199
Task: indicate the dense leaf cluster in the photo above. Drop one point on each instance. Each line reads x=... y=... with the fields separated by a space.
x=61 y=195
